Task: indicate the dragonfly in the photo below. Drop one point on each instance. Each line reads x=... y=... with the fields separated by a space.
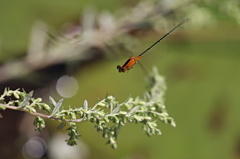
x=129 y=64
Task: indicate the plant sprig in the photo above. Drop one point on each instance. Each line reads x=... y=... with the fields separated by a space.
x=108 y=115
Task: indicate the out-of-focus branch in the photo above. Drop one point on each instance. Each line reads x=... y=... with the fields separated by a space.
x=102 y=31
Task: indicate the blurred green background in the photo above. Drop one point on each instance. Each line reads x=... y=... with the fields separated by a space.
x=200 y=63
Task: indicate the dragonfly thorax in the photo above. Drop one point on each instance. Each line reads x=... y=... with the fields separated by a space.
x=127 y=65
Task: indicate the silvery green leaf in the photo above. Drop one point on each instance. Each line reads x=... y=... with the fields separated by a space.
x=52 y=101
x=57 y=107
x=133 y=110
x=85 y=104
x=61 y=125
x=116 y=110
x=26 y=100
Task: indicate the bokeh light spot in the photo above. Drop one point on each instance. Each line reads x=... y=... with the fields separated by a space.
x=34 y=148
x=67 y=86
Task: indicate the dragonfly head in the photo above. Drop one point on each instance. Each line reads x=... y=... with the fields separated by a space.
x=120 y=69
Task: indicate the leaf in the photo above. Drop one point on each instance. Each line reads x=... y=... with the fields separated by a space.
x=61 y=125
x=73 y=115
x=52 y=101
x=2 y=107
x=57 y=107
x=111 y=107
x=133 y=110
x=16 y=95
x=116 y=110
x=85 y=105
x=5 y=91
x=26 y=100
x=1 y=116
x=39 y=123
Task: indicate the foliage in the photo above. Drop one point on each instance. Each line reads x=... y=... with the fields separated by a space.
x=108 y=115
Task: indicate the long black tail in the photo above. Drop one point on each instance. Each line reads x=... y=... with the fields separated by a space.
x=164 y=36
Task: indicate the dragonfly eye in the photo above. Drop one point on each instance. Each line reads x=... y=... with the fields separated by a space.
x=120 y=69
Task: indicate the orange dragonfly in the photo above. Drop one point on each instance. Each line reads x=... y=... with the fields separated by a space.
x=133 y=60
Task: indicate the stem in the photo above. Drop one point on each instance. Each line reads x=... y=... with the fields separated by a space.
x=39 y=114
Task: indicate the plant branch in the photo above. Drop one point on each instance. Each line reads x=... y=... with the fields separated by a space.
x=108 y=115
x=39 y=114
